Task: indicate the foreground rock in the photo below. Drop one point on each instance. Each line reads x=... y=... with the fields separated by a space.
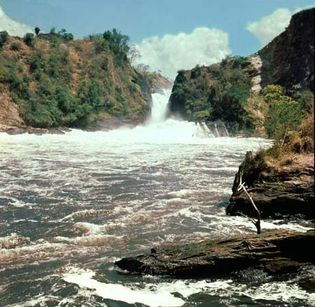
x=275 y=252
x=284 y=187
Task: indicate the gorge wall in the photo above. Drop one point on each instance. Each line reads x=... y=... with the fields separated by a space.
x=229 y=91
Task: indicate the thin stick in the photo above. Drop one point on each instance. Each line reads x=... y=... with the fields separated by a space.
x=256 y=223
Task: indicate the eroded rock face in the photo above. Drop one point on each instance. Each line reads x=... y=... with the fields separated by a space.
x=288 y=60
x=275 y=252
x=276 y=190
x=9 y=113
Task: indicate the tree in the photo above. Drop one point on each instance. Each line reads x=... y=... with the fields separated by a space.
x=37 y=30
x=118 y=43
x=134 y=54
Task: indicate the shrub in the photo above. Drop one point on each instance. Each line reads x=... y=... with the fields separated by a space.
x=15 y=46
x=3 y=38
x=29 y=39
x=306 y=100
x=284 y=113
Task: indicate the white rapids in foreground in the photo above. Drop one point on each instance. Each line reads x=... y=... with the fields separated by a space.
x=90 y=198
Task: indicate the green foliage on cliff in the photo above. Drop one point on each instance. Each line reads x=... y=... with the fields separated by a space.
x=57 y=81
x=3 y=38
x=284 y=113
x=223 y=92
x=219 y=91
x=29 y=39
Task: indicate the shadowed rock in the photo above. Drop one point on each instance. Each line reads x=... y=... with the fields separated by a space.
x=275 y=252
x=281 y=190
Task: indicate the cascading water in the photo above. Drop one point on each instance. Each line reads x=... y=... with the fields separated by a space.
x=72 y=204
x=159 y=106
x=159 y=129
x=179 y=129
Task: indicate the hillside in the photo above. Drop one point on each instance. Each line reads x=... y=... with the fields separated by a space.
x=232 y=91
x=51 y=80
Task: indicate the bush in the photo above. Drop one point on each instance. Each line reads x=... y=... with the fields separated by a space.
x=284 y=113
x=29 y=39
x=3 y=38
x=15 y=46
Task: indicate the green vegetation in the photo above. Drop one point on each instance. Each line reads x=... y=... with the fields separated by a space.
x=15 y=46
x=216 y=92
x=29 y=39
x=284 y=113
x=3 y=38
x=223 y=92
x=62 y=82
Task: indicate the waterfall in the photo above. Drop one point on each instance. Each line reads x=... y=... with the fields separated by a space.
x=158 y=127
x=216 y=130
x=226 y=131
x=159 y=106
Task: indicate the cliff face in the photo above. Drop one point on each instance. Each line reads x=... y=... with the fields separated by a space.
x=228 y=91
x=51 y=80
x=289 y=59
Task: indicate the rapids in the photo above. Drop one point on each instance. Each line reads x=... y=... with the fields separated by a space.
x=72 y=204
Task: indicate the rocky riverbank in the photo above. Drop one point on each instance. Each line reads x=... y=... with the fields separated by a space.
x=278 y=187
x=275 y=252
x=27 y=129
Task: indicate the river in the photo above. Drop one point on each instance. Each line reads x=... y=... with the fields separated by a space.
x=73 y=204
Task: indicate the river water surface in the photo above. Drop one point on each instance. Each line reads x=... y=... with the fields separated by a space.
x=73 y=204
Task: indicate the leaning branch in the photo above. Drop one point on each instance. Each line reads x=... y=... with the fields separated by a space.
x=255 y=222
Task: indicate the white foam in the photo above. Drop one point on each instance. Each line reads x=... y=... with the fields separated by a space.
x=162 y=293
x=117 y=292
x=279 y=291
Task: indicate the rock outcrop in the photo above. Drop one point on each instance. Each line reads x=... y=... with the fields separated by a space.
x=284 y=187
x=9 y=113
x=288 y=60
x=275 y=252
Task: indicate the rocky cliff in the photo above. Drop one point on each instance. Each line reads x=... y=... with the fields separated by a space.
x=230 y=90
x=289 y=59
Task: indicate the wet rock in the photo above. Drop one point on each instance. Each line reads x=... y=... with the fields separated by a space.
x=275 y=252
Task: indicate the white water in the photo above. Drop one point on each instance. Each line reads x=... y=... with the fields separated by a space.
x=86 y=197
